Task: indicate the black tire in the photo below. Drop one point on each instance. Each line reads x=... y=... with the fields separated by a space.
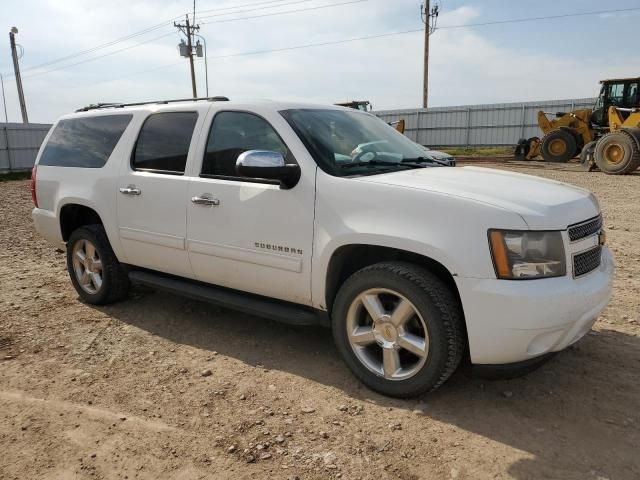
x=587 y=157
x=436 y=304
x=115 y=281
x=579 y=141
x=617 y=153
x=558 y=146
x=521 y=150
x=533 y=142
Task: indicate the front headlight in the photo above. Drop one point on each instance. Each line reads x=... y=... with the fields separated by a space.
x=520 y=255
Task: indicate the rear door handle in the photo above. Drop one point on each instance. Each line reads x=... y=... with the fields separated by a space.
x=205 y=199
x=130 y=190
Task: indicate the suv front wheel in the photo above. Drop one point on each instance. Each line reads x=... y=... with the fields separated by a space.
x=399 y=328
x=95 y=272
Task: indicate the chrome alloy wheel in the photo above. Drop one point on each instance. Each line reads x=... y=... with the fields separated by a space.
x=387 y=334
x=87 y=266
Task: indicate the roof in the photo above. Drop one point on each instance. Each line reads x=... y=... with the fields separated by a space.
x=98 y=106
x=619 y=79
x=190 y=101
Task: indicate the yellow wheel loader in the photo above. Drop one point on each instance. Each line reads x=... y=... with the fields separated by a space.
x=568 y=134
x=365 y=106
x=616 y=152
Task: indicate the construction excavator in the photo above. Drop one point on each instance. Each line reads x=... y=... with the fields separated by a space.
x=606 y=137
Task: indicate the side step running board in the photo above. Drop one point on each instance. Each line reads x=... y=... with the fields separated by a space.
x=253 y=304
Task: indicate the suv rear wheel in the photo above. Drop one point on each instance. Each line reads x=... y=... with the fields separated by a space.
x=95 y=272
x=398 y=328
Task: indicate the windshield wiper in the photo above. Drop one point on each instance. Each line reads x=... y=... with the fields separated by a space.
x=433 y=161
x=380 y=163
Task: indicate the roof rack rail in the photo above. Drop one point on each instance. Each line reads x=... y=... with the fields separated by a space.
x=97 y=106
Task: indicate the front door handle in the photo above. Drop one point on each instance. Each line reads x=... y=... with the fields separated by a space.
x=205 y=200
x=130 y=190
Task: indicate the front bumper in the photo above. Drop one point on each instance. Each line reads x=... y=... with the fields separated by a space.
x=512 y=321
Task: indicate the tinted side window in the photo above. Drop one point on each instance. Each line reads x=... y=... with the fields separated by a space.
x=632 y=95
x=615 y=93
x=163 y=143
x=233 y=133
x=84 y=142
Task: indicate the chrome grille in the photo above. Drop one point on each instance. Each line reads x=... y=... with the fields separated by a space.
x=587 y=261
x=584 y=229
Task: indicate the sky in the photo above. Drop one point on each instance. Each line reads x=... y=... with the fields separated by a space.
x=511 y=62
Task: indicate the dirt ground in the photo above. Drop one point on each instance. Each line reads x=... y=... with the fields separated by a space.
x=164 y=387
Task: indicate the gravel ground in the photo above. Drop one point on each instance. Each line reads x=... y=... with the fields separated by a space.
x=164 y=387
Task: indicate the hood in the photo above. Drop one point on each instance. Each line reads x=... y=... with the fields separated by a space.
x=437 y=155
x=543 y=204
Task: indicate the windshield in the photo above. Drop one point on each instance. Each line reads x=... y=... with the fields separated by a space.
x=345 y=143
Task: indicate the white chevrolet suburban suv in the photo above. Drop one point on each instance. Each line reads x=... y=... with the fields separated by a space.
x=325 y=215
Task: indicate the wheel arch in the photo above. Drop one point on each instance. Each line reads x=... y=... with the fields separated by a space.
x=348 y=259
x=73 y=215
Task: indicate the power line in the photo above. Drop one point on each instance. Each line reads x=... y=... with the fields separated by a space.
x=286 y=12
x=242 y=6
x=158 y=26
x=261 y=8
x=273 y=50
x=99 y=47
x=520 y=20
x=533 y=19
x=62 y=67
x=319 y=44
x=129 y=47
x=369 y=37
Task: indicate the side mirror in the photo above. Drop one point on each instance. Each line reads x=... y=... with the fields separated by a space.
x=268 y=165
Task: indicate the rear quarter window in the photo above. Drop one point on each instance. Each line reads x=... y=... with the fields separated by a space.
x=84 y=142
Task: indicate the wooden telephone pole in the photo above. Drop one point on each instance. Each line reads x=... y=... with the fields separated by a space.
x=189 y=30
x=16 y=70
x=429 y=18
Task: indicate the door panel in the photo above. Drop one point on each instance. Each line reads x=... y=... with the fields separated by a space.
x=258 y=237
x=153 y=225
x=153 y=193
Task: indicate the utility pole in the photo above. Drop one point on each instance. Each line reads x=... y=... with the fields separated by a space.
x=16 y=69
x=187 y=50
x=429 y=18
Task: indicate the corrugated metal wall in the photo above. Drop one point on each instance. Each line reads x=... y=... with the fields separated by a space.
x=497 y=124
x=19 y=144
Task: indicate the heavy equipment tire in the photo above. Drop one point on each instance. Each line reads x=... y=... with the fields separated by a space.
x=579 y=140
x=521 y=150
x=587 y=161
x=617 y=153
x=399 y=328
x=533 y=148
x=558 y=146
x=95 y=272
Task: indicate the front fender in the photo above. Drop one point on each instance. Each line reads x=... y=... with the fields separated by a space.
x=448 y=229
